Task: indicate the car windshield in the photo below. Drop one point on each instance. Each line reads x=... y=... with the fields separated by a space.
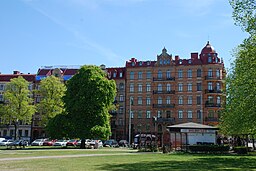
x=4 y=140
x=38 y=140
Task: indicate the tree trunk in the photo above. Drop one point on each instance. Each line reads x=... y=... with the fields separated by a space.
x=16 y=130
x=253 y=145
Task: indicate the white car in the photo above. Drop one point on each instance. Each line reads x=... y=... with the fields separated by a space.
x=38 y=142
x=96 y=143
x=60 y=143
x=5 y=142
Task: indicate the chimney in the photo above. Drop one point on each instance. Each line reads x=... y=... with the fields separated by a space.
x=16 y=72
x=194 y=56
x=177 y=57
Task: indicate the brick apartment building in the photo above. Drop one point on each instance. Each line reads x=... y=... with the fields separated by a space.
x=155 y=94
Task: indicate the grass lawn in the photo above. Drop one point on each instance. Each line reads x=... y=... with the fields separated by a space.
x=125 y=160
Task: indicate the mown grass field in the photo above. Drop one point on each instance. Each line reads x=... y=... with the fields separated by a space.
x=122 y=159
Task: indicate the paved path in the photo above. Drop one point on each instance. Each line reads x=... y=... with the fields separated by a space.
x=64 y=156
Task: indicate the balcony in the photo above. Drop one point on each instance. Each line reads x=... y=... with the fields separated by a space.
x=209 y=104
x=211 y=78
x=213 y=91
x=211 y=119
x=164 y=79
x=166 y=120
x=163 y=92
x=163 y=105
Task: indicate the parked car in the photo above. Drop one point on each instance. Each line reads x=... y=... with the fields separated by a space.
x=96 y=144
x=5 y=142
x=16 y=143
x=60 y=143
x=110 y=143
x=87 y=142
x=72 y=142
x=48 y=142
x=123 y=143
x=38 y=142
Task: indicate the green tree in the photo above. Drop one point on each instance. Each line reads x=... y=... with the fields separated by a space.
x=18 y=103
x=244 y=14
x=51 y=104
x=89 y=97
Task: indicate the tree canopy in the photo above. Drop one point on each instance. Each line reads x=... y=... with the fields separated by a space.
x=18 y=104
x=51 y=92
x=239 y=116
x=89 y=97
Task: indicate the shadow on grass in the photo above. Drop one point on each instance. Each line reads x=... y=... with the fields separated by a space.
x=197 y=163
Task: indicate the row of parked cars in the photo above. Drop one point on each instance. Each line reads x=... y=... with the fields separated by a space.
x=62 y=142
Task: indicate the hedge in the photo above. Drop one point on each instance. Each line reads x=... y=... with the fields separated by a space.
x=208 y=148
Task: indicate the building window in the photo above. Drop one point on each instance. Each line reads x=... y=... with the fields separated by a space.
x=139 y=128
x=168 y=100
x=121 y=110
x=121 y=86
x=140 y=75
x=180 y=102
x=189 y=87
x=159 y=74
x=30 y=87
x=132 y=114
x=148 y=74
x=180 y=114
x=148 y=115
x=20 y=132
x=38 y=98
x=199 y=86
x=218 y=100
x=180 y=73
x=209 y=58
x=139 y=100
x=159 y=87
x=159 y=114
x=148 y=101
x=1 y=97
x=140 y=63
x=139 y=114
x=148 y=87
x=5 y=133
x=199 y=73
x=198 y=100
x=26 y=133
x=148 y=127
x=199 y=114
x=218 y=73
x=190 y=99
x=121 y=98
x=11 y=132
x=168 y=114
x=168 y=74
x=139 y=88
x=190 y=114
x=210 y=99
x=2 y=87
x=168 y=87
x=210 y=113
x=180 y=87
x=132 y=75
x=159 y=100
x=210 y=86
x=120 y=74
x=189 y=73
x=217 y=86
x=114 y=74
x=131 y=87
x=210 y=73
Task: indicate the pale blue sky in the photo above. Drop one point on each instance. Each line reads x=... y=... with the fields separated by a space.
x=35 y=33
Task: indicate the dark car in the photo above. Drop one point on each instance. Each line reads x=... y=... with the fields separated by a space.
x=123 y=143
x=110 y=143
x=18 y=143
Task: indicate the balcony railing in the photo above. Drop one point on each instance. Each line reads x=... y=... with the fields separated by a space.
x=163 y=105
x=165 y=120
x=208 y=104
x=213 y=91
x=212 y=78
x=164 y=79
x=163 y=92
x=211 y=119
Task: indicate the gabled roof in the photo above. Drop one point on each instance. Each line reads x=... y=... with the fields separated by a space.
x=191 y=125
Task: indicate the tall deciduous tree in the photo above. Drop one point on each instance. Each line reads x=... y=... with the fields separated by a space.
x=88 y=99
x=244 y=14
x=51 y=104
x=18 y=103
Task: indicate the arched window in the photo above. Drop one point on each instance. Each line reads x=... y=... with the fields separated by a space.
x=159 y=74
x=159 y=87
x=199 y=73
x=159 y=100
x=168 y=87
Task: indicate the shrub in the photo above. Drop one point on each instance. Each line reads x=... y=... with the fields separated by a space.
x=240 y=150
x=208 y=148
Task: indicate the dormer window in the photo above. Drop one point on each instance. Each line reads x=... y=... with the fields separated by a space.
x=148 y=62
x=140 y=63
x=114 y=74
x=209 y=59
x=216 y=60
x=164 y=62
x=120 y=74
x=180 y=61
x=168 y=61
x=161 y=62
x=189 y=61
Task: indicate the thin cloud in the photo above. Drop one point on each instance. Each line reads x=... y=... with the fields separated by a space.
x=105 y=52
